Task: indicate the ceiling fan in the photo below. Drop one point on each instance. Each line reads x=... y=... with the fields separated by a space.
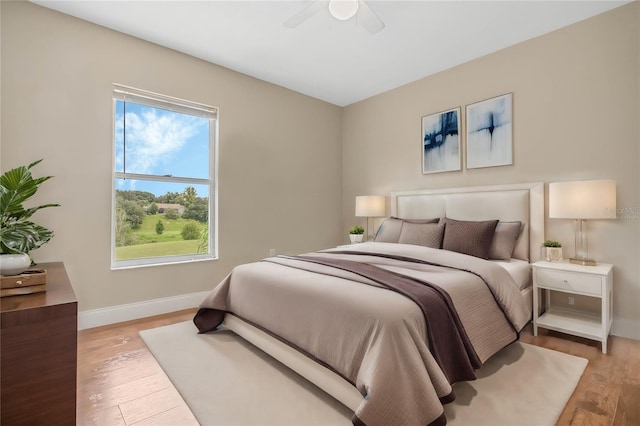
x=342 y=10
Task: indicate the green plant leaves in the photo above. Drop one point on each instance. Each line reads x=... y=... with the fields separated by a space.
x=356 y=230
x=17 y=233
x=22 y=237
x=551 y=243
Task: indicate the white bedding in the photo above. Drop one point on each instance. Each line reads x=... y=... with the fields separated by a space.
x=520 y=271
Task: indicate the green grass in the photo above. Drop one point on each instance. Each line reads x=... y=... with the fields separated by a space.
x=157 y=249
x=149 y=244
x=147 y=231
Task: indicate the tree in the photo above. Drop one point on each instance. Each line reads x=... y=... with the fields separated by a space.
x=170 y=198
x=203 y=244
x=153 y=209
x=123 y=228
x=190 y=231
x=189 y=195
x=171 y=214
x=198 y=210
x=159 y=227
x=134 y=211
x=142 y=196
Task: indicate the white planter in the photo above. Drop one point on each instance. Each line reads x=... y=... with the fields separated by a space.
x=14 y=264
x=553 y=254
x=356 y=238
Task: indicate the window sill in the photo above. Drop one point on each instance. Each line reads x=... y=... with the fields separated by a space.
x=145 y=263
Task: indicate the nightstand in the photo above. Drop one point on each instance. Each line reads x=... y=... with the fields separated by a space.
x=593 y=281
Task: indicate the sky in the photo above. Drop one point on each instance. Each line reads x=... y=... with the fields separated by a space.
x=160 y=142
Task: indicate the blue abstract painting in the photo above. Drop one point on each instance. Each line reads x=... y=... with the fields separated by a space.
x=441 y=142
x=490 y=132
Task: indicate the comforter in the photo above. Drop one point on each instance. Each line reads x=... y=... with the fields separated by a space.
x=374 y=338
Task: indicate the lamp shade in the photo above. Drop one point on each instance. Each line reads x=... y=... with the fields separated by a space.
x=370 y=206
x=588 y=199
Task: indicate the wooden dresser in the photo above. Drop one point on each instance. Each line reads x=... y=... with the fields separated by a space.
x=38 y=353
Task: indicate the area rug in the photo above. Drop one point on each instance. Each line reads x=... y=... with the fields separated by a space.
x=227 y=381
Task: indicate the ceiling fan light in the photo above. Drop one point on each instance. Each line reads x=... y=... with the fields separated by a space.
x=343 y=9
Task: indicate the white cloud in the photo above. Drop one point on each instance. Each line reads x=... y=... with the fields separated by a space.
x=153 y=139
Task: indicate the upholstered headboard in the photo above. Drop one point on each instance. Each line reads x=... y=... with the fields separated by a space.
x=517 y=202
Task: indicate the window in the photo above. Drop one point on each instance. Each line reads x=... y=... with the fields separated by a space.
x=164 y=180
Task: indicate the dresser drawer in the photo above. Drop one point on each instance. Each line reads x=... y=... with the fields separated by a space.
x=568 y=281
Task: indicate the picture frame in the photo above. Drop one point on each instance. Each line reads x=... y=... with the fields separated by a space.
x=441 y=142
x=489 y=136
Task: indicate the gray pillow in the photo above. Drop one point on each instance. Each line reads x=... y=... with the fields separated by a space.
x=422 y=234
x=389 y=231
x=469 y=237
x=504 y=240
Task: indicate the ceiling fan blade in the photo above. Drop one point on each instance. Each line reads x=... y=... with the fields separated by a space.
x=306 y=13
x=368 y=18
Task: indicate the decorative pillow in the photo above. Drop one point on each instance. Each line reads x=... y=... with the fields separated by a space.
x=422 y=234
x=504 y=240
x=468 y=237
x=389 y=231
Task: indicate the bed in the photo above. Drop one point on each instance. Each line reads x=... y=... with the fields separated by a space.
x=352 y=321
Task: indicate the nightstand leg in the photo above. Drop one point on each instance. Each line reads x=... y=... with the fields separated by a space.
x=536 y=294
x=547 y=299
x=605 y=319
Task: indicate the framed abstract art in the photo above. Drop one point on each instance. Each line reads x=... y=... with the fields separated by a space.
x=441 y=142
x=490 y=132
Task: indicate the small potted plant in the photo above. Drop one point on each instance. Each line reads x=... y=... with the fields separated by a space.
x=356 y=233
x=18 y=235
x=553 y=251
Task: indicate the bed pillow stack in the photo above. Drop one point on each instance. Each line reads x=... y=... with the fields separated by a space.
x=487 y=239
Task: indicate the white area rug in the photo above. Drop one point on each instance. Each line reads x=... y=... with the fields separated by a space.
x=227 y=381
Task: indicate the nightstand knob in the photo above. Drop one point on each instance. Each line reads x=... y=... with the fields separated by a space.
x=565 y=281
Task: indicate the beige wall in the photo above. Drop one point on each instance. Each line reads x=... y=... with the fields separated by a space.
x=289 y=162
x=280 y=155
x=576 y=112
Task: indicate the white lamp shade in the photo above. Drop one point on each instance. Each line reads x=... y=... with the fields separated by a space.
x=588 y=199
x=370 y=206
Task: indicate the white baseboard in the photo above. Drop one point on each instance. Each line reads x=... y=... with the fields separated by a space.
x=131 y=311
x=626 y=328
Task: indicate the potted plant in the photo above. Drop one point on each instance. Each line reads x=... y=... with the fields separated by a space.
x=553 y=251
x=18 y=234
x=356 y=233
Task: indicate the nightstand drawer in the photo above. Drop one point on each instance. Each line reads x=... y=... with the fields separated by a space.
x=567 y=281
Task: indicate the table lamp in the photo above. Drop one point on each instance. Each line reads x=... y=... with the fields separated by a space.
x=370 y=206
x=581 y=200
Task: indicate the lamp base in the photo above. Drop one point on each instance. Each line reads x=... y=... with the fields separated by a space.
x=583 y=262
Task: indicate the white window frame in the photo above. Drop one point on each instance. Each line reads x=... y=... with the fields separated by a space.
x=143 y=97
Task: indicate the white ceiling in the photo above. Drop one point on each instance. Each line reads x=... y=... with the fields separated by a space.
x=336 y=61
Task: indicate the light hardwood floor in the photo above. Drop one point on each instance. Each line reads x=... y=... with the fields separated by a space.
x=120 y=383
